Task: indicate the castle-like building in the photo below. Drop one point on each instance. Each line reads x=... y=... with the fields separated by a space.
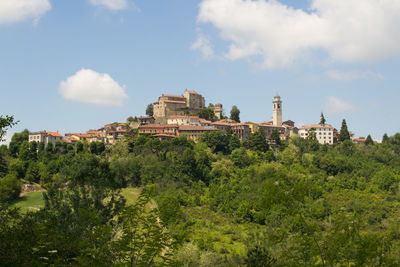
x=177 y=105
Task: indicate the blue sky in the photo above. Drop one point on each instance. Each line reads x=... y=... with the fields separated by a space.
x=75 y=65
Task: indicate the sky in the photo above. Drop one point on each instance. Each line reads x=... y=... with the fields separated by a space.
x=75 y=65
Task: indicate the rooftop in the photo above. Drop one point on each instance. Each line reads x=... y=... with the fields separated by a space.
x=309 y=126
x=192 y=92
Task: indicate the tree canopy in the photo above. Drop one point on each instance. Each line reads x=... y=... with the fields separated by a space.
x=235 y=113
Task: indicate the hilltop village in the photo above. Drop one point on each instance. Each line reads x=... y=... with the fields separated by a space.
x=187 y=115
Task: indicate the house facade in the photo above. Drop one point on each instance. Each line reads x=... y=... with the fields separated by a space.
x=45 y=137
x=323 y=132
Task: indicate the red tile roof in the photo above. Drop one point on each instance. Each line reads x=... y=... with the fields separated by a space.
x=192 y=92
x=54 y=134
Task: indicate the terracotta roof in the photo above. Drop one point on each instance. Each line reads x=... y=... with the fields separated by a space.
x=192 y=92
x=309 y=126
x=205 y=121
x=183 y=117
x=54 y=134
x=358 y=139
x=196 y=128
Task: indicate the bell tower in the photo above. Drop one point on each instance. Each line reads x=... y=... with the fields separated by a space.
x=277 y=111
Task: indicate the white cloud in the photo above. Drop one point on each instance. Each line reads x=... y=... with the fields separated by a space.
x=347 y=30
x=353 y=75
x=336 y=105
x=12 y=11
x=92 y=87
x=203 y=45
x=111 y=4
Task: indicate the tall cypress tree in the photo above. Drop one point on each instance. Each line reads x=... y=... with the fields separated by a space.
x=235 y=114
x=322 y=120
x=344 y=132
x=369 y=140
x=385 y=138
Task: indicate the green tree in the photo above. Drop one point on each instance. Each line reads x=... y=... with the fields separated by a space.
x=322 y=119
x=369 y=140
x=207 y=114
x=50 y=148
x=235 y=113
x=93 y=148
x=16 y=140
x=100 y=147
x=5 y=123
x=344 y=132
x=218 y=141
x=32 y=173
x=149 y=110
x=10 y=188
x=234 y=142
x=17 y=167
x=27 y=152
x=144 y=241
x=79 y=147
x=275 y=137
x=257 y=141
x=240 y=158
x=385 y=138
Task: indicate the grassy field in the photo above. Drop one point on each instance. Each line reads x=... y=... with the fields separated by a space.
x=30 y=202
x=34 y=201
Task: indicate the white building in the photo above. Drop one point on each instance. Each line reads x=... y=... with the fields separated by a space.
x=45 y=137
x=184 y=120
x=323 y=132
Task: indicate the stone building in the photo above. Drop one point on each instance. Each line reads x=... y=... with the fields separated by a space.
x=242 y=130
x=184 y=120
x=194 y=132
x=146 y=120
x=173 y=105
x=170 y=129
x=45 y=137
x=218 y=110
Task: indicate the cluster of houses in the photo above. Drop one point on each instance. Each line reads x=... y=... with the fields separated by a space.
x=172 y=119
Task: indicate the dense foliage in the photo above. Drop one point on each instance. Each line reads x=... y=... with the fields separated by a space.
x=216 y=203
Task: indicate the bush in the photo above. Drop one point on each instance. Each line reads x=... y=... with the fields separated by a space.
x=10 y=188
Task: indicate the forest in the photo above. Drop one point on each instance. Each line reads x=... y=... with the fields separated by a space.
x=219 y=202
